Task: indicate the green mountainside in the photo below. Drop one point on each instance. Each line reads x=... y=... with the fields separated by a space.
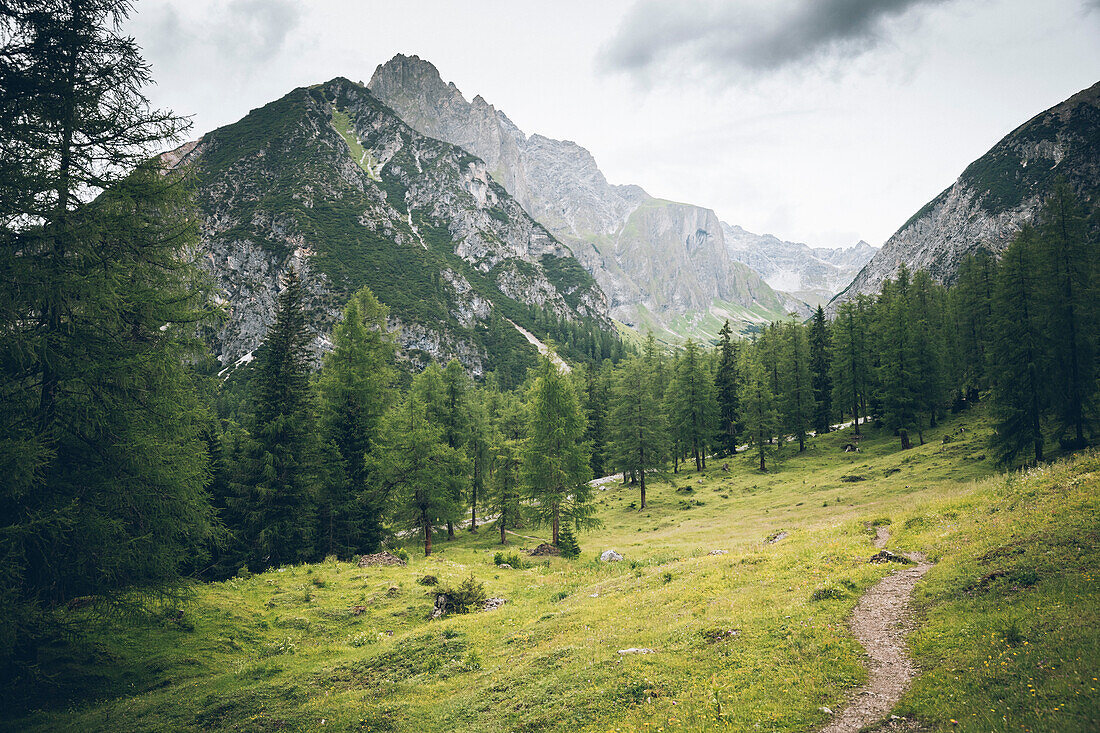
x=329 y=181
x=995 y=195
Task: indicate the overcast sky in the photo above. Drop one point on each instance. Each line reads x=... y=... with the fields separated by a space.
x=823 y=121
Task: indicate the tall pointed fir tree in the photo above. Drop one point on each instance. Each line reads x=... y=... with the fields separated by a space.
x=692 y=407
x=928 y=326
x=555 y=455
x=1019 y=364
x=796 y=396
x=355 y=388
x=637 y=423
x=849 y=360
x=725 y=390
x=597 y=387
x=758 y=408
x=104 y=467
x=819 y=370
x=414 y=461
x=1070 y=264
x=972 y=305
x=445 y=393
x=897 y=351
x=282 y=472
x=478 y=448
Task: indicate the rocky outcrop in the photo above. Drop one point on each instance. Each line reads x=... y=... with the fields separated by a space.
x=995 y=195
x=656 y=260
x=330 y=182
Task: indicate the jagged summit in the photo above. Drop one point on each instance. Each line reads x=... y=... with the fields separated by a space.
x=330 y=181
x=658 y=261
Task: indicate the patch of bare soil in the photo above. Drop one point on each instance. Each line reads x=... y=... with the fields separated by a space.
x=881 y=622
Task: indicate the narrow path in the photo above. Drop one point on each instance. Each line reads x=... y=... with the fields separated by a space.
x=881 y=622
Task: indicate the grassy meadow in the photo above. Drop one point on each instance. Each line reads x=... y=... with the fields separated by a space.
x=753 y=639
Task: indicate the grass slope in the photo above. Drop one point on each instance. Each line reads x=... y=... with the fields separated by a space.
x=1007 y=637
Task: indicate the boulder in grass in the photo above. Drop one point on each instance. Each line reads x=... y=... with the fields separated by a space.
x=545 y=549
x=637 y=650
x=610 y=556
x=884 y=556
x=379 y=559
x=492 y=604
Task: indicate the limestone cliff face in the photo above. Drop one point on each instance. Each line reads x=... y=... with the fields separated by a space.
x=329 y=181
x=649 y=256
x=815 y=274
x=995 y=194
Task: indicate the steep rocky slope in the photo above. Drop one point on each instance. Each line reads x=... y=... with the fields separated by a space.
x=328 y=180
x=657 y=260
x=995 y=194
x=814 y=274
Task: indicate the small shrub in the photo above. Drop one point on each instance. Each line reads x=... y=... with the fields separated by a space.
x=827 y=594
x=561 y=595
x=567 y=542
x=244 y=573
x=465 y=597
x=402 y=553
x=428 y=580
x=319 y=582
x=881 y=522
x=513 y=559
x=667 y=577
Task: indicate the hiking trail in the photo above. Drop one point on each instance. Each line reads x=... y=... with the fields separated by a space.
x=880 y=623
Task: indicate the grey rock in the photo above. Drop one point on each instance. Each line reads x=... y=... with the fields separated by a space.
x=610 y=556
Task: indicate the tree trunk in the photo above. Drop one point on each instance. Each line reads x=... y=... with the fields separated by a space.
x=503 y=514
x=904 y=435
x=450 y=530
x=557 y=516
x=642 y=472
x=427 y=538
x=762 y=468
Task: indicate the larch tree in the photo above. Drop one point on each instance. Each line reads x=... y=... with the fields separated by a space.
x=413 y=462
x=796 y=396
x=692 y=407
x=556 y=465
x=1069 y=264
x=637 y=422
x=505 y=486
x=1019 y=363
x=100 y=446
x=758 y=404
x=355 y=385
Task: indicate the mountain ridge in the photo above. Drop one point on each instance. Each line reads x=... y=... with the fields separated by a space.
x=995 y=194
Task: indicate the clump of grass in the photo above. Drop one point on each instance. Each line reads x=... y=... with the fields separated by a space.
x=511 y=559
x=429 y=580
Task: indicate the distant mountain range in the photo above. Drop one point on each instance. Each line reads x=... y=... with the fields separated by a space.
x=667 y=266
x=995 y=194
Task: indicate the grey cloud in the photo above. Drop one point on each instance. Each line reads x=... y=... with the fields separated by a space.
x=237 y=31
x=749 y=36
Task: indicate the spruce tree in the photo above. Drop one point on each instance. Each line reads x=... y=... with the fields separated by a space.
x=104 y=466
x=281 y=473
x=1069 y=262
x=1019 y=364
x=355 y=388
x=444 y=394
x=819 y=370
x=972 y=304
x=637 y=422
x=726 y=387
x=555 y=455
x=478 y=448
x=567 y=542
x=596 y=404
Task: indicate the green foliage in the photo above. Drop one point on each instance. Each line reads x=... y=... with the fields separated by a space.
x=726 y=381
x=512 y=559
x=639 y=433
x=355 y=387
x=104 y=463
x=468 y=595
x=567 y=542
x=691 y=403
x=281 y=463
x=555 y=467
